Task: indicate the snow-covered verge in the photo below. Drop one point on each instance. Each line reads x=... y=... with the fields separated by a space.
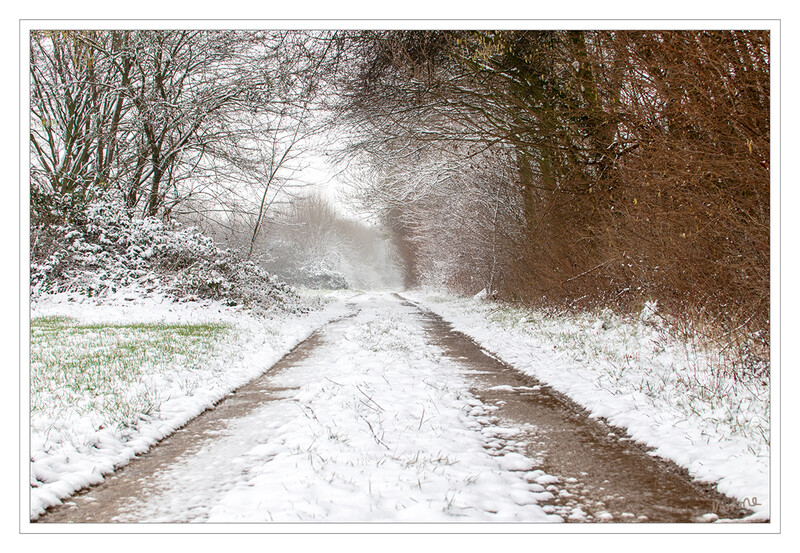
x=189 y=354
x=631 y=373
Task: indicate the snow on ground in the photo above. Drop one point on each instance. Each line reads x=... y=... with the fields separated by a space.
x=376 y=425
x=625 y=372
x=74 y=442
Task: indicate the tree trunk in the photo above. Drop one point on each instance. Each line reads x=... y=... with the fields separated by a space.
x=153 y=202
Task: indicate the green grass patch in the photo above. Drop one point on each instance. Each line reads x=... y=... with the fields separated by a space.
x=107 y=371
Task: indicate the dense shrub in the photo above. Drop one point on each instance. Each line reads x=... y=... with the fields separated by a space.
x=101 y=250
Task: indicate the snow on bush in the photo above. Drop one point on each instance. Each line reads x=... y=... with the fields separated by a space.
x=106 y=250
x=318 y=274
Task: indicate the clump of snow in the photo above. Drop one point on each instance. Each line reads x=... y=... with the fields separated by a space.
x=649 y=315
x=606 y=320
x=482 y=295
x=604 y=516
x=578 y=515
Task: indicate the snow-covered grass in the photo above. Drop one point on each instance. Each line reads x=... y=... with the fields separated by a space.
x=107 y=372
x=109 y=377
x=669 y=394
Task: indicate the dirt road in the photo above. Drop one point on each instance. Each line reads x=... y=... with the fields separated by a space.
x=390 y=415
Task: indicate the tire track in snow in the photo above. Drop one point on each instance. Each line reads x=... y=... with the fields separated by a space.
x=599 y=473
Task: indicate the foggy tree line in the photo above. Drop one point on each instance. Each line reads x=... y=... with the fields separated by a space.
x=311 y=244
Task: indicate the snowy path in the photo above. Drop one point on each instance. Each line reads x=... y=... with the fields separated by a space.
x=373 y=425
x=388 y=415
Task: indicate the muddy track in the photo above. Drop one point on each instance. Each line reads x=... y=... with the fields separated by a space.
x=604 y=474
x=104 y=502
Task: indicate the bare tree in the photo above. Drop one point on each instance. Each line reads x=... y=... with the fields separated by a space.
x=174 y=121
x=77 y=104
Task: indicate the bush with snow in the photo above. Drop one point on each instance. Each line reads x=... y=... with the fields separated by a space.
x=105 y=250
x=649 y=315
